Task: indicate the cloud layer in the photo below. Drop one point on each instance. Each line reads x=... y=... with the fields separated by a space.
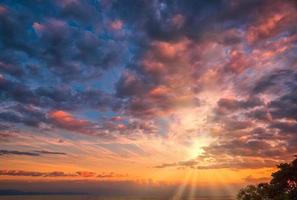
x=131 y=79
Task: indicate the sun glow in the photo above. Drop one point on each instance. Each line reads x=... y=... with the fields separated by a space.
x=196 y=149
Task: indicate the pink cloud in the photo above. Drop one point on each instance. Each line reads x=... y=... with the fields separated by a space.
x=117 y=25
x=66 y=120
x=272 y=21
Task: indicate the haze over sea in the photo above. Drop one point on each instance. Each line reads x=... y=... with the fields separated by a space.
x=94 y=197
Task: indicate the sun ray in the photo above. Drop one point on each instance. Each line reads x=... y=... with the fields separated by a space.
x=193 y=185
x=180 y=190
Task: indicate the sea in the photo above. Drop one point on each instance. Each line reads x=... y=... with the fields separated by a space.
x=92 y=197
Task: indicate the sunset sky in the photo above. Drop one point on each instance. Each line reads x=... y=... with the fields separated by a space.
x=150 y=92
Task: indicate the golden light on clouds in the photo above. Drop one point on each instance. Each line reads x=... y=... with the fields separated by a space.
x=183 y=95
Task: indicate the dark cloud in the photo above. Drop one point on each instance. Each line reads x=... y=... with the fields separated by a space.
x=240 y=164
x=233 y=104
x=285 y=106
x=111 y=175
x=28 y=115
x=21 y=153
x=79 y=174
x=285 y=127
x=85 y=173
x=222 y=163
x=261 y=114
x=188 y=163
x=276 y=80
x=71 y=53
x=29 y=153
x=50 y=152
x=44 y=174
x=130 y=85
x=250 y=148
x=82 y=11
x=164 y=165
x=20 y=173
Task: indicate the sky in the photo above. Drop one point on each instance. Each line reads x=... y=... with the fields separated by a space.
x=146 y=92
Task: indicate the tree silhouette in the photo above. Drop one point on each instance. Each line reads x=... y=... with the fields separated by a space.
x=283 y=185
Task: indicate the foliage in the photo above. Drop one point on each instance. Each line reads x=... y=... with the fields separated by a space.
x=283 y=185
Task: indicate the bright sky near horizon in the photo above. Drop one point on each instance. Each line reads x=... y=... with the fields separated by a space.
x=158 y=91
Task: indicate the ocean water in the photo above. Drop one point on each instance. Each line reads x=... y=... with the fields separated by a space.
x=89 y=197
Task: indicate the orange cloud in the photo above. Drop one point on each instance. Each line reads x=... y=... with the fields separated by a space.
x=170 y=50
x=275 y=18
x=159 y=91
x=239 y=61
x=66 y=120
x=116 y=25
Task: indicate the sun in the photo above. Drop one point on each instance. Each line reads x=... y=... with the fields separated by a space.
x=196 y=149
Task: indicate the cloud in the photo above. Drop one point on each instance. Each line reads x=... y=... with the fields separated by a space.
x=22 y=153
x=271 y=23
x=66 y=120
x=275 y=80
x=234 y=104
x=29 y=153
x=50 y=152
x=251 y=179
x=85 y=174
x=81 y=11
x=44 y=174
x=222 y=163
x=78 y=174
x=111 y=175
x=188 y=163
x=170 y=69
